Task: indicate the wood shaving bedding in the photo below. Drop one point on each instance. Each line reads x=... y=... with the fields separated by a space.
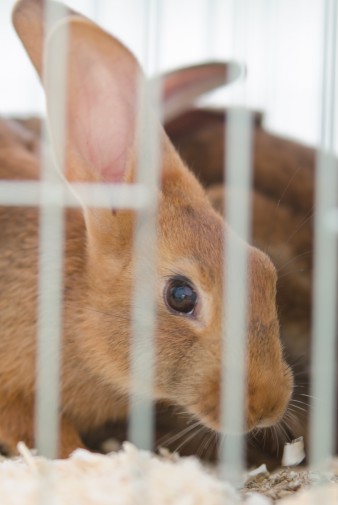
x=128 y=477
x=286 y=483
x=135 y=477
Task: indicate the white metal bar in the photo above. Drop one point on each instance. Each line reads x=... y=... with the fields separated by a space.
x=237 y=216
x=141 y=421
x=211 y=6
x=51 y=242
x=324 y=331
x=29 y=193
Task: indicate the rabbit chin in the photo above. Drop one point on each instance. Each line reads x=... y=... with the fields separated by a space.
x=222 y=428
x=242 y=425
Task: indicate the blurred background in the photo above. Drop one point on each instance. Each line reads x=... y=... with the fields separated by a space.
x=279 y=41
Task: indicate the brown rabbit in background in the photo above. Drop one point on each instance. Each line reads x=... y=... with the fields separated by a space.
x=98 y=264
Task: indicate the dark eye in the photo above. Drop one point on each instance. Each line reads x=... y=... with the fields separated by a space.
x=180 y=296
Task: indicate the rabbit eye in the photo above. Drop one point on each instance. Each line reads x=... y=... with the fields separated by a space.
x=180 y=296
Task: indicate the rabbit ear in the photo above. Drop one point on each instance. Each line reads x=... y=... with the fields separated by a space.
x=101 y=110
x=102 y=79
x=101 y=89
x=102 y=101
x=29 y=20
x=183 y=86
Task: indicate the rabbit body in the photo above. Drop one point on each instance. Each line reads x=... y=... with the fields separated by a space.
x=101 y=145
x=95 y=339
x=19 y=274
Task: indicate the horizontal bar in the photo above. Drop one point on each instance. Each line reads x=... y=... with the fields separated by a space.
x=30 y=193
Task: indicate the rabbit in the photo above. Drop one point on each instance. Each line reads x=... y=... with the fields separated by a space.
x=282 y=204
x=102 y=78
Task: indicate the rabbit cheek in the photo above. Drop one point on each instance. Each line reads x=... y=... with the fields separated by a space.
x=190 y=373
x=207 y=406
x=175 y=347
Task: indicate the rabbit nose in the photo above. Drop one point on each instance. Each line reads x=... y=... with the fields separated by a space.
x=268 y=400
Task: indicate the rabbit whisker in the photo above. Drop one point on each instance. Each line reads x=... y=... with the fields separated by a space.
x=308 y=396
x=208 y=439
x=301 y=402
x=114 y=314
x=293 y=259
x=300 y=270
x=213 y=445
x=299 y=227
x=288 y=185
x=190 y=437
x=296 y=407
x=170 y=439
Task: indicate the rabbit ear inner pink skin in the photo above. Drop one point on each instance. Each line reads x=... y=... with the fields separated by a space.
x=102 y=105
x=102 y=146
x=183 y=86
x=102 y=102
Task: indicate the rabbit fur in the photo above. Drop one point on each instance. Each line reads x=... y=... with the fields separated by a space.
x=101 y=145
x=282 y=204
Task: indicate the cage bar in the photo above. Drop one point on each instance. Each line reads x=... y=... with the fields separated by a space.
x=52 y=197
x=235 y=295
x=237 y=216
x=323 y=416
x=141 y=420
x=51 y=242
x=28 y=194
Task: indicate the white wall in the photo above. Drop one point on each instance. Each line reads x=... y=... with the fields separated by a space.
x=279 y=40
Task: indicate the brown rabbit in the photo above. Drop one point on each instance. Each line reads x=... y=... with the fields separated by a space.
x=282 y=224
x=98 y=264
x=282 y=227
x=282 y=204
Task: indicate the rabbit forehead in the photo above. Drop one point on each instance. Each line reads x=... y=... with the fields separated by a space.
x=191 y=241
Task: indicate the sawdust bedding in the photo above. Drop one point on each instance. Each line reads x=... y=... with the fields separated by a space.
x=132 y=477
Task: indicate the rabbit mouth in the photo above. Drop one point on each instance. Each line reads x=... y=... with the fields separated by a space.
x=212 y=420
x=264 y=406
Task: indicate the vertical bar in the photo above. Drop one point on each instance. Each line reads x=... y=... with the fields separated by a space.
x=141 y=424
x=323 y=417
x=211 y=6
x=50 y=275
x=237 y=214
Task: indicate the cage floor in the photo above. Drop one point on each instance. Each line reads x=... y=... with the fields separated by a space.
x=131 y=476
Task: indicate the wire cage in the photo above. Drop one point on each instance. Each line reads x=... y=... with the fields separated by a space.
x=279 y=194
